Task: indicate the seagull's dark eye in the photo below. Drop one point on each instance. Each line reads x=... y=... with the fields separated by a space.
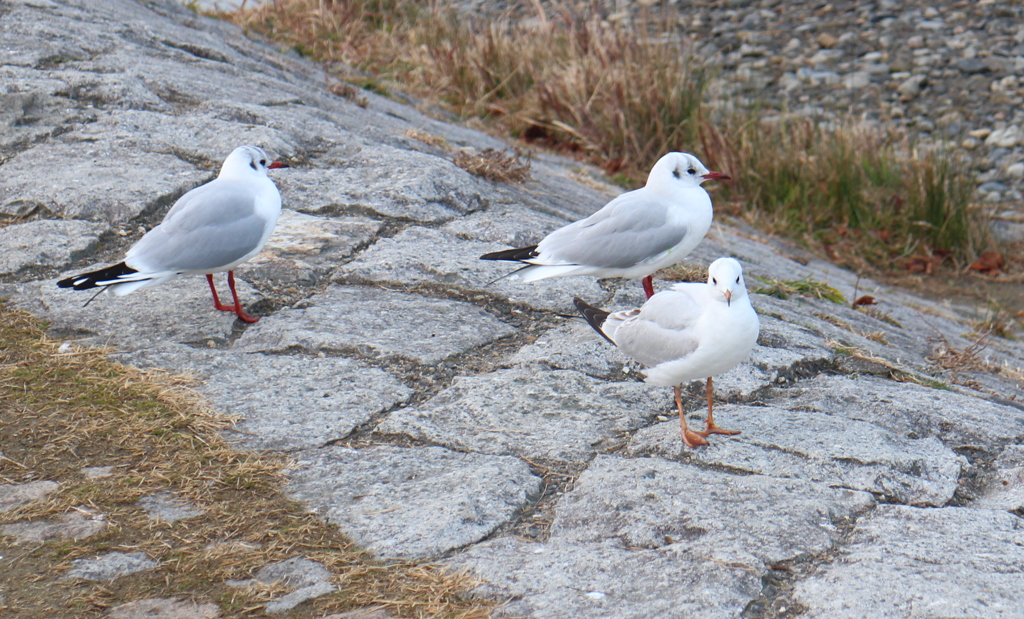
x=714 y=281
x=263 y=162
x=737 y=279
x=691 y=171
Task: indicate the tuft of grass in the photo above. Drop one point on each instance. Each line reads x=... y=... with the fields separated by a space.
x=997 y=321
x=61 y=411
x=684 y=272
x=494 y=165
x=863 y=194
x=806 y=287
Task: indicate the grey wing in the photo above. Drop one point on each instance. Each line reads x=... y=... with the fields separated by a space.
x=629 y=230
x=214 y=228
x=663 y=330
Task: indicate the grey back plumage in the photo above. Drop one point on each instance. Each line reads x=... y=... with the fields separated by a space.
x=207 y=237
x=606 y=239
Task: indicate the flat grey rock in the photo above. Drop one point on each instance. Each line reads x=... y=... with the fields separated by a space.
x=97 y=181
x=558 y=415
x=13 y=496
x=110 y=566
x=1006 y=488
x=284 y=401
x=908 y=562
x=179 y=311
x=45 y=242
x=71 y=526
x=304 y=249
x=391 y=182
x=753 y=520
x=427 y=256
x=814 y=446
x=164 y=608
x=510 y=224
x=558 y=579
x=907 y=409
x=308 y=580
x=97 y=472
x=647 y=538
x=412 y=503
x=376 y=322
x=575 y=346
x=165 y=507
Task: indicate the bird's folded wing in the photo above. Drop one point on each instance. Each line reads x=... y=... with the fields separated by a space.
x=215 y=231
x=630 y=230
x=652 y=344
x=218 y=203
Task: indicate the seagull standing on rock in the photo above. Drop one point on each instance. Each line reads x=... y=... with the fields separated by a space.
x=212 y=228
x=688 y=332
x=632 y=236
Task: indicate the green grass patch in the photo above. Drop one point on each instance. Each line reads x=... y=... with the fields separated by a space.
x=807 y=287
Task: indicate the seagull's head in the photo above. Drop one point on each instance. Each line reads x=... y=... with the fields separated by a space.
x=248 y=160
x=681 y=170
x=725 y=275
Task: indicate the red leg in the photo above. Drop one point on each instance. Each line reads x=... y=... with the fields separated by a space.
x=690 y=439
x=648 y=283
x=216 y=299
x=238 y=306
x=710 y=427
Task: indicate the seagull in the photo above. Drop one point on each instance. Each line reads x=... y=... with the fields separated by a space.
x=689 y=331
x=212 y=228
x=632 y=236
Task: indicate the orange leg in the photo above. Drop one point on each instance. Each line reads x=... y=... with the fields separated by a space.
x=690 y=438
x=710 y=427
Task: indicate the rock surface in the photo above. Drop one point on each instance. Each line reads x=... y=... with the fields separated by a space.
x=110 y=566
x=433 y=413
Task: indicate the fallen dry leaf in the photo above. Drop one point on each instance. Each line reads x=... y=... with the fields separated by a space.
x=989 y=263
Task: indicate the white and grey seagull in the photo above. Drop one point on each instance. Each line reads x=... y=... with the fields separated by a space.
x=632 y=236
x=210 y=229
x=689 y=331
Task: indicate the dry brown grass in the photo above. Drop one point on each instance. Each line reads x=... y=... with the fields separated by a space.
x=966 y=360
x=62 y=411
x=569 y=79
x=494 y=165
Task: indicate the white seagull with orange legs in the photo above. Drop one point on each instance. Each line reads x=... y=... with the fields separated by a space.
x=213 y=228
x=688 y=332
x=632 y=236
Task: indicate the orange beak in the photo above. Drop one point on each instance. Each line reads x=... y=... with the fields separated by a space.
x=728 y=298
x=276 y=165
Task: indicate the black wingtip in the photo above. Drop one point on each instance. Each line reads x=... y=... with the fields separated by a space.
x=84 y=281
x=514 y=255
x=595 y=316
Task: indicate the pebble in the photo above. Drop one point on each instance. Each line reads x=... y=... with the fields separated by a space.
x=911 y=86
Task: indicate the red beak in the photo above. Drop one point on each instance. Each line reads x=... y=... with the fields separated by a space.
x=278 y=164
x=717 y=176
